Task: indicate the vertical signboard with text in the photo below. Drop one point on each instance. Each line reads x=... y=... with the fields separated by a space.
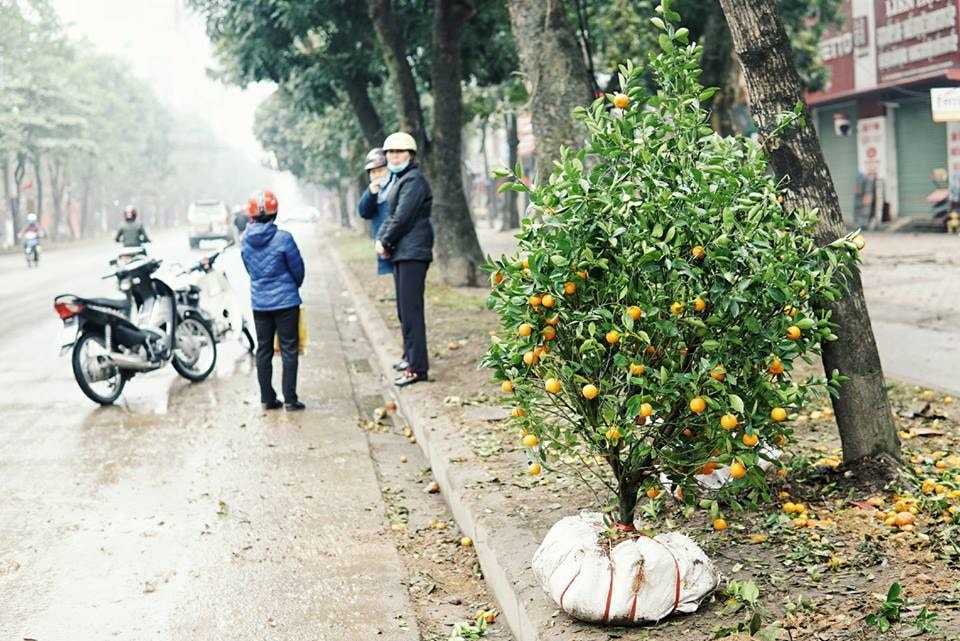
x=871 y=147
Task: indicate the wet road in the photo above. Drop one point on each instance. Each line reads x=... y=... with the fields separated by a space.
x=184 y=511
x=912 y=286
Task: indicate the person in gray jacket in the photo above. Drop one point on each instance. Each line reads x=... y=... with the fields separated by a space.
x=406 y=238
x=131 y=232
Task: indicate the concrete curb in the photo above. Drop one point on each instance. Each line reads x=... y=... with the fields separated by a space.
x=503 y=548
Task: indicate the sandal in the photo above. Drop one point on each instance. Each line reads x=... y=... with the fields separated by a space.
x=409 y=377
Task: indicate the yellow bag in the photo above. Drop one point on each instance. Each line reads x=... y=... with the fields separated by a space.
x=302 y=331
x=302 y=338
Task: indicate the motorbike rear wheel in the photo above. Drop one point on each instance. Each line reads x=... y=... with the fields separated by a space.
x=195 y=349
x=87 y=352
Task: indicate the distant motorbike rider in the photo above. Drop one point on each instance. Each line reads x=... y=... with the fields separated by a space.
x=32 y=227
x=31 y=235
x=131 y=232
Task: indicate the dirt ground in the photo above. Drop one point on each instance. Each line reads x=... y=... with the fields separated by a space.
x=817 y=578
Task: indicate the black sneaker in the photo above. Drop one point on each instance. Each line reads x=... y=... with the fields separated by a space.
x=295 y=406
x=272 y=405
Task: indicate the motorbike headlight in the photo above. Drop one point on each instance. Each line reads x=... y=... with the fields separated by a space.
x=125 y=285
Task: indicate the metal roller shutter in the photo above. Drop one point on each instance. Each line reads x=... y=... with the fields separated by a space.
x=921 y=148
x=840 y=153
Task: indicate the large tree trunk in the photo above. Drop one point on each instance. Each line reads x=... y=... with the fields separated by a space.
x=7 y=195
x=395 y=55
x=360 y=184
x=57 y=186
x=458 y=250
x=556 y=77
x=342 y=201
x=512 y=219
x=365 y=111
x=38 y=173
x=489 y=186
x=19 y=171
x=583 y=27
x=85 y=209
x=862 y=409
x=719 y=70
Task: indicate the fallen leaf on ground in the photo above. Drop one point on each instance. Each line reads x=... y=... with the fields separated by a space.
x=927 y=431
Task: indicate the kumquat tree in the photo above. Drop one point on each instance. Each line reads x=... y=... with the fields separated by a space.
x=660 y=296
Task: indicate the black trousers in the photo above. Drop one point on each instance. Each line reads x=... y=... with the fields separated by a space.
x=411 y=278
x=284 y=323
x=396 y=293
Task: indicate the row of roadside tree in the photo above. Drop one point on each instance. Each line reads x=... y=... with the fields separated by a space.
x=349 y=72
x=81 y=136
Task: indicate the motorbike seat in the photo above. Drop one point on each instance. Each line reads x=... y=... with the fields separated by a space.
x=115 y=303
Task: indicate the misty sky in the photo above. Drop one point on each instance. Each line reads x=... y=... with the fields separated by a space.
x=166 y=45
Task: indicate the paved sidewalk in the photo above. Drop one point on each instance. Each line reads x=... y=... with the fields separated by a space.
x=912 y=286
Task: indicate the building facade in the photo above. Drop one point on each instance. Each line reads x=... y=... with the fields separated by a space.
x=885 y=141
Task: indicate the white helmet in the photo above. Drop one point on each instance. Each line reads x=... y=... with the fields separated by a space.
x=400 y=141
x=31 y=218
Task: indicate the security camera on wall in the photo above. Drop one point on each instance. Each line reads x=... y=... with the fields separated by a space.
x=841 y=125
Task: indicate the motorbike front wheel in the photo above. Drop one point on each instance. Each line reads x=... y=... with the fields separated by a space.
x=195 y=349
x=101 y=383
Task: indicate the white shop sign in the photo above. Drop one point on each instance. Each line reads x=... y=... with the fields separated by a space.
x=945 y=104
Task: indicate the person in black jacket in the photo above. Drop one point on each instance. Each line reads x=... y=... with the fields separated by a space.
x=406 y=238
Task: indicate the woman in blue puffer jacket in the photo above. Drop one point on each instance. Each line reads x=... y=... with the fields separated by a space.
x=276 y=273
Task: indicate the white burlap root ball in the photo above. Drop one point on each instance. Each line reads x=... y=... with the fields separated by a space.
x=641 y=579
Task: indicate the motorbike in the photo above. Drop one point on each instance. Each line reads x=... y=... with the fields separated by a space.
x=31 y=248
x=113 y=340
x=944 y=201
x=208 y=289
